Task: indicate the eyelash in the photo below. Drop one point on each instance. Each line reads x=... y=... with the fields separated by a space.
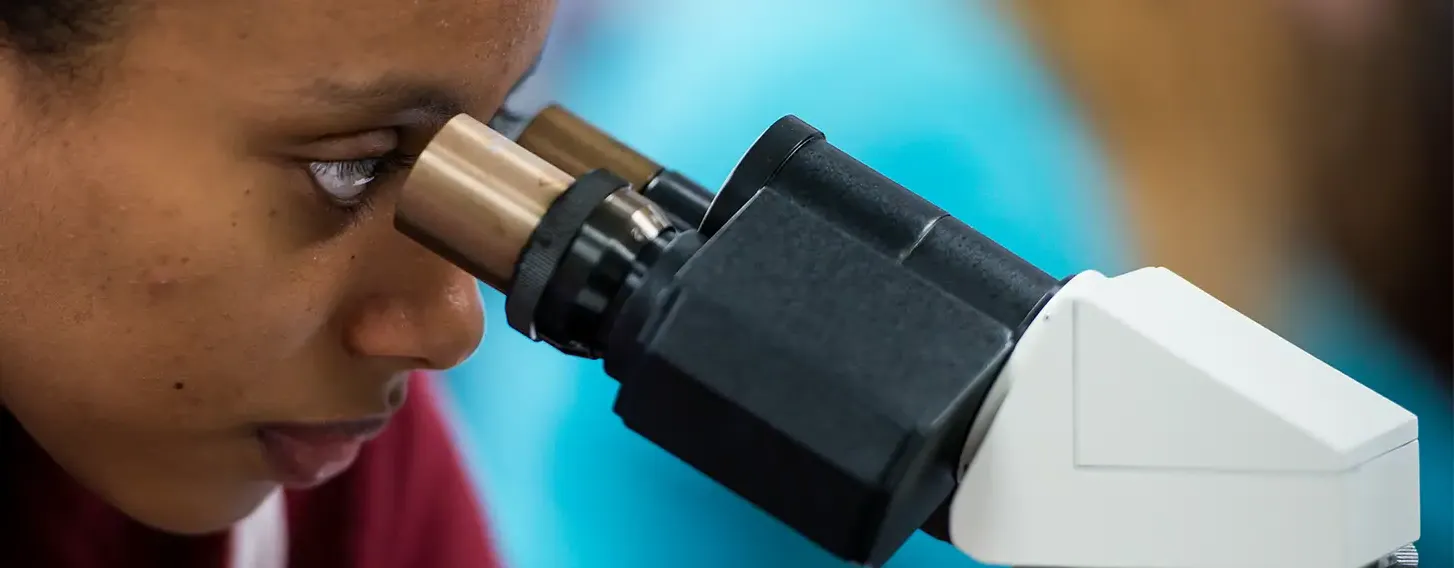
x=370 y=170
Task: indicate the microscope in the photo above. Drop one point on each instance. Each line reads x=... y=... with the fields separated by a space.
x=861 y=365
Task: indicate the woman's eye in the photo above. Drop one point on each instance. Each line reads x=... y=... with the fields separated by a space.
x=346 y=181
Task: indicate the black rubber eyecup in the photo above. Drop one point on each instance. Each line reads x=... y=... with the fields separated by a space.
x=549 y=243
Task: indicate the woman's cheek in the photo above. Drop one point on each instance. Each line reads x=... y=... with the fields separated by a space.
x=223 y=292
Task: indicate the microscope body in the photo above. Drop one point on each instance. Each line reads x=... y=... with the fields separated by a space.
x=1141 y=422
x=847 y=356
x=860 y=365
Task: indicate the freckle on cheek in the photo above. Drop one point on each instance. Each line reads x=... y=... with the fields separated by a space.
x=162 y=280
x=158 y=290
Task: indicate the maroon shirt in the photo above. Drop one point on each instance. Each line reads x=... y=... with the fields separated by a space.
x=407 y=502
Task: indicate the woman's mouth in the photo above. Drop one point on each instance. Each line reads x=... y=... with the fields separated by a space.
x=306 y=455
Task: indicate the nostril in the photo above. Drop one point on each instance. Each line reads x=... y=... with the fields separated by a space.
x=397 y=395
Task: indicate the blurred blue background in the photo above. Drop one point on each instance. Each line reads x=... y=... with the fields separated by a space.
x=941 y=95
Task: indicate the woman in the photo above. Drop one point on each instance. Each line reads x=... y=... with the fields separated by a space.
x=205 y=313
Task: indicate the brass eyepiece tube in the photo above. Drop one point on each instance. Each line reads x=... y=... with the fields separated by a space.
x=475 y=197
x=578 y=147
x=563 y=249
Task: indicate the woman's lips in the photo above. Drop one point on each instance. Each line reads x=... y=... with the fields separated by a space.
x=303 y=456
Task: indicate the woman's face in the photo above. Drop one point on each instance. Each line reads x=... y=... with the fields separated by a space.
x=199 y=246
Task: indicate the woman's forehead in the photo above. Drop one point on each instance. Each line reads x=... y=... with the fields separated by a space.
x=276 y=46
x=299 y=34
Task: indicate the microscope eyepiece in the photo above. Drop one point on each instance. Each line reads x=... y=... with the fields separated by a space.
x=561 y=247
x=576 y=147
x=474 y=197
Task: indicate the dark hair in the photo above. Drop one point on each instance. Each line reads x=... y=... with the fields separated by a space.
x=56 y=35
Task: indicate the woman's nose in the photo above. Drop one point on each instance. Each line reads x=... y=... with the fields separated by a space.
x=437 y=324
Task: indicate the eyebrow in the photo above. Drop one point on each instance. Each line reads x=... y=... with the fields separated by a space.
x=389 y=96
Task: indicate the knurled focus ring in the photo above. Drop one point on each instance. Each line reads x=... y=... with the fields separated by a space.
x=549 y=243
x=1406 y=557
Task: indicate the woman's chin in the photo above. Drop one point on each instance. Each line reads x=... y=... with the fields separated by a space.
x=194 y=515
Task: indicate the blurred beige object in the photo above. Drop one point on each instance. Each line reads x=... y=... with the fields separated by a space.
x=1242 y=130
x=1193 y=104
